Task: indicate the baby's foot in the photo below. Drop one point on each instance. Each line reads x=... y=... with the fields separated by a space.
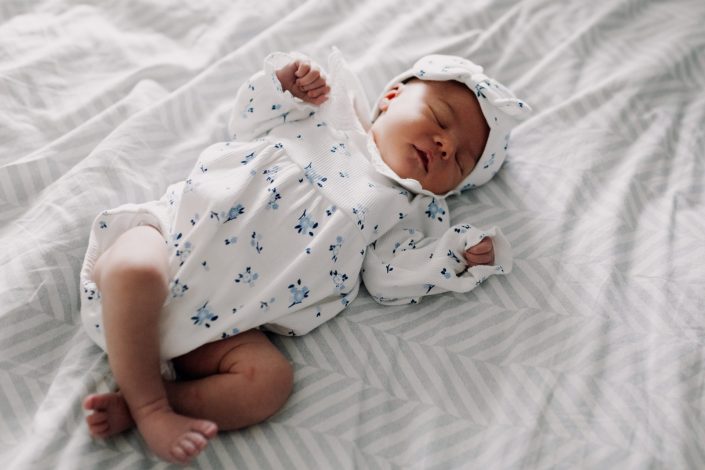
x=110 y=414
x=173 y=437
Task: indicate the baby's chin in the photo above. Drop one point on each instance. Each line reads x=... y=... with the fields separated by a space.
x=439 y=189
x=409 y=175
x=434 y=188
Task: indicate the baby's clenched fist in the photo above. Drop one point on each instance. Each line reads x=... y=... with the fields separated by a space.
x=482 y=253
x=305 y=81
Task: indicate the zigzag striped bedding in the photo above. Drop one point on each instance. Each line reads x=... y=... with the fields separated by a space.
x=588 y=355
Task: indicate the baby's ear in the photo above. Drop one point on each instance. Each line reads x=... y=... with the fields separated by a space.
x=389 y=96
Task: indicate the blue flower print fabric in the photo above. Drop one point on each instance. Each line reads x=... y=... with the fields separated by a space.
x=277 y=228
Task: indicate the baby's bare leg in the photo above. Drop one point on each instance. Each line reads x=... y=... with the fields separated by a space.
x=132 y=276
x=235 y=382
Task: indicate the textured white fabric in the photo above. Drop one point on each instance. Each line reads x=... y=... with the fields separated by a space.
x=589 y=355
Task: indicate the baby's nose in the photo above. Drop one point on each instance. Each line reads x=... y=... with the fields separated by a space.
x=444 y=148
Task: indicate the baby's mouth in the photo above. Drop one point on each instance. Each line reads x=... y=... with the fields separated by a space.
x=423 y=157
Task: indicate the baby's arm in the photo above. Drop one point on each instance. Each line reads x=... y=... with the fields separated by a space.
x=404 y=266
x=276 y=95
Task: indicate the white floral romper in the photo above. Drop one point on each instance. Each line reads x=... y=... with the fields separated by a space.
x=272 y=229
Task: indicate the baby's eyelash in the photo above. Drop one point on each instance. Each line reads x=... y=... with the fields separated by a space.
x=436 y=118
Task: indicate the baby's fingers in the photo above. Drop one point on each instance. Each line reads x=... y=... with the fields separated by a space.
x=311 y=80
x=476 y=260
x=482 y=253
x=318 y=82
x=485 y=246
x=303 y=68
x=319 y=95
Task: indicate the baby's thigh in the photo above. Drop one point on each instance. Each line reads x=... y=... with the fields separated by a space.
x=242 y=353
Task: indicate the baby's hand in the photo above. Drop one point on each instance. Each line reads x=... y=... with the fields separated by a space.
x=482 y=253
x=305 y=81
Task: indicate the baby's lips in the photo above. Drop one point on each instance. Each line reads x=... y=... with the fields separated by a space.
x=423 y=157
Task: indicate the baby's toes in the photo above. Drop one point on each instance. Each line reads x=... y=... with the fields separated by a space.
x=179 y=455
x=207 y=429
x=99 y=430
x=196 y=440
x=189 y=446
x=103 y=432
x=98 y=424
x=97 y=417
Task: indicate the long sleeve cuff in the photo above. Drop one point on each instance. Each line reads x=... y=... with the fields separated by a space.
x=416 y=269
x=261 y=104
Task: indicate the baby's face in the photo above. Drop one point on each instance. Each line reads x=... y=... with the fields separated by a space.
x=433 y=132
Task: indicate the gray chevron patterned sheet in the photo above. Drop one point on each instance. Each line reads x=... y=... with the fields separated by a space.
x=589 y=355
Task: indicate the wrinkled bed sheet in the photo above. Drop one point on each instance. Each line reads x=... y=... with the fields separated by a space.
x=588 y=355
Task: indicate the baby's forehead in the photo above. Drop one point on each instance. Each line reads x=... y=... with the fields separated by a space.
x=455 y=94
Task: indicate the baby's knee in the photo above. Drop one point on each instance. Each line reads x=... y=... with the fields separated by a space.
x=272 y=383
x=267 y=380
x=282 y=379
x=125 y=271
x=137 y=257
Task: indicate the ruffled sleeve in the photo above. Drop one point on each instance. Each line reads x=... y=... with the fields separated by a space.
x=261 y=104
x=407 y=263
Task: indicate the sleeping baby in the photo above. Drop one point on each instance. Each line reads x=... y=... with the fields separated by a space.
x=275 y=230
